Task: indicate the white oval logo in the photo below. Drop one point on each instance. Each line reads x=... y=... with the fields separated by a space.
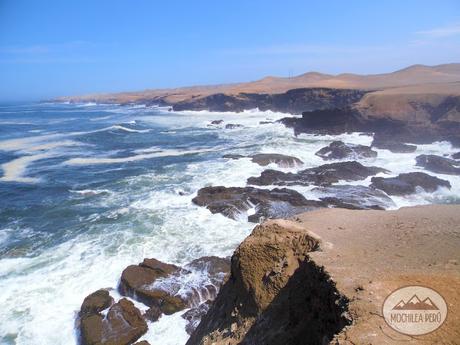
x=414 y=310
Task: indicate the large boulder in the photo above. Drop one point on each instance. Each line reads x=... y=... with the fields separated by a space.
x=96 y=302
x=408 y=183
x=122 y=325
x=323 y=175
x=233 y=201
x=354 y=197
x=275 y=294
x=137 y=282
x=340 y=150
x=438 y=164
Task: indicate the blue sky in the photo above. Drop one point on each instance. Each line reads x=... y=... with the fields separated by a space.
x=53 y=48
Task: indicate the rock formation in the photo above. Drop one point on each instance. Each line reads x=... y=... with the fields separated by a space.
x=438 y=164
x=407 y=183
x=340 y=150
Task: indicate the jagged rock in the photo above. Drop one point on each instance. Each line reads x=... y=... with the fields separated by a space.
x=96 y=302
x=456 y=155
x=233 y=126
x=354 y=197
x=137 y=281
x=438 y=164
x=194 y=315
x=232 y=201
x=123 y=325
x=407 y=183
x=217 y=122
x=340 y=150
x=322 y=176
x=233 y=156
x=264 y=159
x=393 y=146
x=275 y=294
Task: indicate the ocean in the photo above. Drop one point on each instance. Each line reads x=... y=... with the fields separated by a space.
x=88 y=189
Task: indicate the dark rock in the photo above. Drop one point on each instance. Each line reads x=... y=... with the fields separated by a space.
x=456 y=155
x=217 y=122
x=233 y=156
x=143 y=342
x=322 y=176
x=438 y=164
x=391 y=145
x=340 y=150
x=407 y=183
x=137 y=282
x=354 y=197
x=194 y=315
x=96 y=302
x=265 y=122
x=123 y=325
x=232 y=201
x=264 y=159
x=233 y=126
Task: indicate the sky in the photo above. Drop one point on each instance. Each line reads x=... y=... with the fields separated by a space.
x=54 y=48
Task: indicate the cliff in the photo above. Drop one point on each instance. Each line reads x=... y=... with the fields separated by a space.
x=322 y=278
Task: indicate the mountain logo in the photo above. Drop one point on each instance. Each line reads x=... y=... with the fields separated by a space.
x=414 y=310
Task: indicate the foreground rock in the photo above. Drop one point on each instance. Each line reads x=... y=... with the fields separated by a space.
x=280 y=290
x=137 y=281
x=323 y=175
x=354 y=197
x=122 y=325
x=233 y=201
x=407 y=183
x=275 y=294
x=438 y=164
x=340 y=150
x=264 y=159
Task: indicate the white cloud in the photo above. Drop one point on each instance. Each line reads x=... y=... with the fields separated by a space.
x=444 y=31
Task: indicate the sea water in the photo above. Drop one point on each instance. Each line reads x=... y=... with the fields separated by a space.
x=87 y=190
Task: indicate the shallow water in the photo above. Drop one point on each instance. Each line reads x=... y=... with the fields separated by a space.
x=88 y=189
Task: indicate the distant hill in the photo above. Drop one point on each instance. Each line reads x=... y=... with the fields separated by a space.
x=428 y=79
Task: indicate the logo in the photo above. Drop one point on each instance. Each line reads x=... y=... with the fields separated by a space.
x=414 y=310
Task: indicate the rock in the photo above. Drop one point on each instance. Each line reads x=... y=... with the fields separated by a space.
x=233 y=126
x=194 y=315
x=233 y=201
x=438 y=164
x=393 y=146
x=322 y=176
x=153 y=314
x=264 y=159
x=96 y=302
x=456 y=155
x=143 y=342
x=275 y=294
x=217 y=122
x=123 y=325
x=340 y=150
x=233 y=156
x=354 y=197
x=137 y=282
x=265 y=122
x=407 y=183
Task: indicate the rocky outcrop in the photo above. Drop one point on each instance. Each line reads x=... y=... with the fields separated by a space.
x=407 y=183
x=354 y=197
x=340 y=150
x=438 y=164
x=275 y=294
x=275 y=203
x=137 y=281
x=294 y=101
x=264 y=159
x=122 y=325
x=233 y=126
x=456 y=156
x=391 y=145
x=323 y=175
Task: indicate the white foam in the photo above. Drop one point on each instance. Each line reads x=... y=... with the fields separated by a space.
x=13 y=171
